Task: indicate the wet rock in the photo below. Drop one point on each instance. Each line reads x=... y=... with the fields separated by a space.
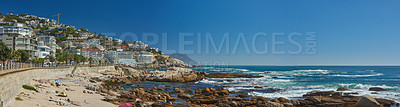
x=319 y=93
x=271 y=90
x=322 y=99
x=243 y=95
x=281 y=99
x=385 y=102
x=197 y=90
x=177 y=90
x=259 y=98
x=342 y=89
x=184 y=96
x=257 y=87
x=376 y=89
x=222 y=92
x=206 y=91
x=225 y=75
x=338 y=94
x=271 y=104
x=367 y=101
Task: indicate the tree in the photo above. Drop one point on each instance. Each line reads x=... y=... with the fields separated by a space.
x=106 y=61
x=83 y=59
x=100 y=62
x=51 y=58
x=78 y=47
x=24 y=56
x=15 y=56
x=41 y=60
x=5 y=52
x=90 y=60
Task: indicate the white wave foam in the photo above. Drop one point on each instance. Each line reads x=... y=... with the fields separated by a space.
x=310 y=70
x=339 y=75
x=242 y=69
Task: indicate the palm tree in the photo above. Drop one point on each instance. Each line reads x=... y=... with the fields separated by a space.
x=16 y=56
x=90 y=60
x=83 y=59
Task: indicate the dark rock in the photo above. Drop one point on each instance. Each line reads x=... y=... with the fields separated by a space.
x=243 y=95
x=257 y=87
x=367 y=101
x=184 y=96
x=281 y=99
x=319 y=93
x=271 y=90
x=342 y=89
x=376 y=89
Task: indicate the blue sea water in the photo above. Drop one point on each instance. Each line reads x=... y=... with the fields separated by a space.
x=294 y=81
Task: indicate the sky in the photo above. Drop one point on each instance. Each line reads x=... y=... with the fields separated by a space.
x=293 y=32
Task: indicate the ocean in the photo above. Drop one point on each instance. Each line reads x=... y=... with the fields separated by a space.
x=293 y=81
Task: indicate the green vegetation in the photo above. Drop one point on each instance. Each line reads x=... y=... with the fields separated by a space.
x=155 y=52
x=29 y=88
x=109 y=82
x=159 y=59
x=10 y=18
x=5 y=52
x=18 y=98
x=24 y=56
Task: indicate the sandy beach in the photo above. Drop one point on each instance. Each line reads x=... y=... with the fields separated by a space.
x=73 y=87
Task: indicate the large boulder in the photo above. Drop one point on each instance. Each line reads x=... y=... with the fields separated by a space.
x=367 y=101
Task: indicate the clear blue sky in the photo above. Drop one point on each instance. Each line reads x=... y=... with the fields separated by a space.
x=349 y=32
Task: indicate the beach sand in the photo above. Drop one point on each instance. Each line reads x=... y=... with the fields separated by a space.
x=47 y=96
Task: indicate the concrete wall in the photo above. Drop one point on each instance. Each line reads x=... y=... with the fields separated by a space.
x=11 y=84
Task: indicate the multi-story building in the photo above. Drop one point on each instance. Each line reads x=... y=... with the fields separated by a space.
x=111 y=56
x=126 y=58
x=49 y=41
x=18 y=28
x=96 y=54
x=19 y=37
x=144 y=58
x=42 y=50
x=73 y=50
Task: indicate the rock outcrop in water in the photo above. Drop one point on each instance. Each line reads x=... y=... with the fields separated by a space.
x=174 y=74
x=164 y=61
x=220 y=97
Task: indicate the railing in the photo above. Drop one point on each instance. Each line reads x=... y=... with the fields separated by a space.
x=18 y=65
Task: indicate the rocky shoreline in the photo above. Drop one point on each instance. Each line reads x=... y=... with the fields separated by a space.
x=108 y=84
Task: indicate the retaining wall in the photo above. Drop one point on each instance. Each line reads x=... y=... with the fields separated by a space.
x=11 y=84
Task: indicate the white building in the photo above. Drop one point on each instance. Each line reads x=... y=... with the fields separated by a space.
x=144 y=58
x=49 y=41
x=18 y=28
x=42 y=50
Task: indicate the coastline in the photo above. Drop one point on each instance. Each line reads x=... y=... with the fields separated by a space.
x=107 y=91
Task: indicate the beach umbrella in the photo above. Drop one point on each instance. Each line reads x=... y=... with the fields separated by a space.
x=125 y=105
x=58 y=80
x=42 y=81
